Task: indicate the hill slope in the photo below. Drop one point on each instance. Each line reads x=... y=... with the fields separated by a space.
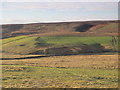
x=29 y=45
x=88 y=28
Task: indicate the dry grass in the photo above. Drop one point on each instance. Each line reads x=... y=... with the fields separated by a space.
x=20 y=76
x=82 y=61
x=93 y=71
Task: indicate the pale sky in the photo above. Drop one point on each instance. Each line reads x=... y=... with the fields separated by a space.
x=36 y=12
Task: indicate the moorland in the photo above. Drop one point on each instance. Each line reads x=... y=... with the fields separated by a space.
x=60 y=55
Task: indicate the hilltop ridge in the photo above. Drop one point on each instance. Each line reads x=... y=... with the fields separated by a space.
x=83 y=28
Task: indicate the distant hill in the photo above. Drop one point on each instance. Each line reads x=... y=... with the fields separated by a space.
x=86 y=28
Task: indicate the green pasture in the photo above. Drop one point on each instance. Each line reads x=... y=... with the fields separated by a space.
x=26 y=44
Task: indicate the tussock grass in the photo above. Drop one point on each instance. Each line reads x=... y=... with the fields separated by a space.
x=46 y=77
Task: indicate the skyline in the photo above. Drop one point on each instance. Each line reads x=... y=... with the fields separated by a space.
x=44 y=12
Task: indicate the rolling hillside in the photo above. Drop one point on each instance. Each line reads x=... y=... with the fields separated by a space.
x=86 y=28
x=30 y=45
x=62 y=55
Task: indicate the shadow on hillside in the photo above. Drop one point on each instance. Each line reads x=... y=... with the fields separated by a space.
x=83 y=28
x=23 y=58
x=33 y=57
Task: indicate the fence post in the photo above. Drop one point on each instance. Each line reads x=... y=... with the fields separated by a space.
x=114 y=42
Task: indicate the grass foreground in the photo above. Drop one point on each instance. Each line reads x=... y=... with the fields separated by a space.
x=77 y=71
x=16 y=76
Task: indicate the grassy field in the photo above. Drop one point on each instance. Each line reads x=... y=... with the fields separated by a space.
x=8 y=40
x=45 y=77
x=21 y=70
x=75 y=40
x=19 y=46
x=77 y=71
x=26 y=45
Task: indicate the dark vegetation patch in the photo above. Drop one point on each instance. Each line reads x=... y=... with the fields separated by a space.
x=18 y=34
x=93 y=48
x=37 y=52
x=82 y=49
x=21 y=45
x=83 y=28
x=73 y=50
x=39 y=44
x=8 y=28
x=23 y=58
x=60 y=51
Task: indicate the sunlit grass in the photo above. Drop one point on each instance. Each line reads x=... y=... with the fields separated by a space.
x=26 y=45
x=42 y=77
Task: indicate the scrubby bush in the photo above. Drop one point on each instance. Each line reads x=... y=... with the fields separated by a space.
x=80 y=49
x=37 y=52
x=93 y=48
x=60 y=51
